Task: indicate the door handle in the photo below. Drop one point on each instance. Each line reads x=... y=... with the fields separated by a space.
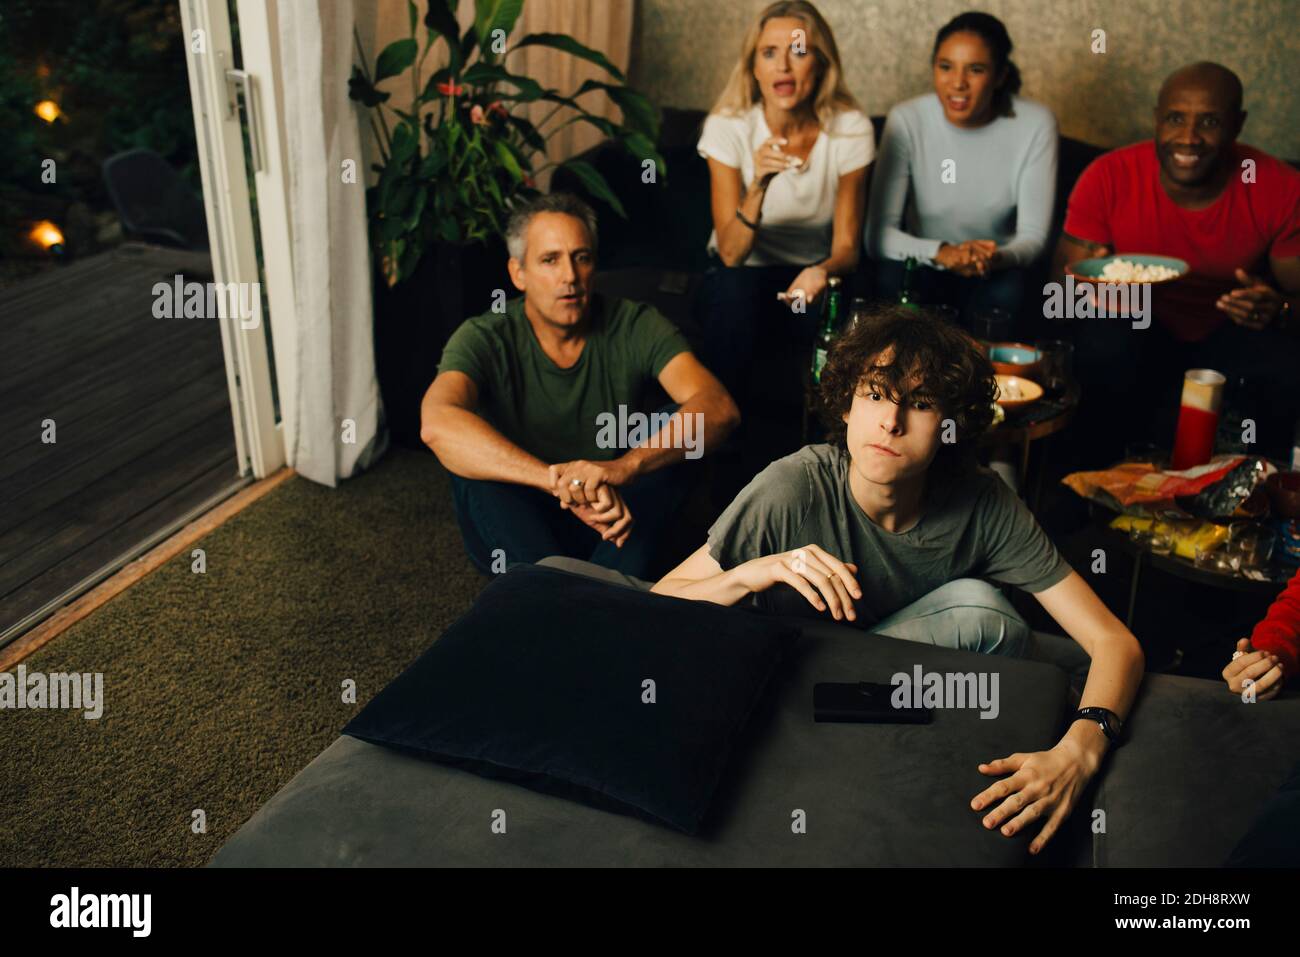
x=241 y=81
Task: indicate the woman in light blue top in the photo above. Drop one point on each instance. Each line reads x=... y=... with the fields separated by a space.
x=966 y=177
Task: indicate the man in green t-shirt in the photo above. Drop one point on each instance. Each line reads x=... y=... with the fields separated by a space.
x=893 y=526
x=532 y=407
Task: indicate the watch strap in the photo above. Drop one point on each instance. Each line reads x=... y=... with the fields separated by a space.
x=1103 y=717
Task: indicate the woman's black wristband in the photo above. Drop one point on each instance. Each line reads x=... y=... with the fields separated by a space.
x=741 y=216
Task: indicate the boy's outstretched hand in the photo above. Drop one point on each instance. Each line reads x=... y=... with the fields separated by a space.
x=1043 y=786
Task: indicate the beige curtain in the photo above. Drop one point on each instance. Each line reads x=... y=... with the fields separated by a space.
x=327 y=369
x=604 y=25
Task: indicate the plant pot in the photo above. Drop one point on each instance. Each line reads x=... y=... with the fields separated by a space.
x=415 y=318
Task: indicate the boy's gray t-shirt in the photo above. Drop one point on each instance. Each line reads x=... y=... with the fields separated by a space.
x=973 y=526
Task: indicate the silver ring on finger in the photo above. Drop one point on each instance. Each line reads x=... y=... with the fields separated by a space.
x=575 y=483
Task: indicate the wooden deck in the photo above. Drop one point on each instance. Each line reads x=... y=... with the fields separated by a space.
x=141 y=412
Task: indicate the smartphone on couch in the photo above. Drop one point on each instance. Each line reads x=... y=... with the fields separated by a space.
x=863 y=702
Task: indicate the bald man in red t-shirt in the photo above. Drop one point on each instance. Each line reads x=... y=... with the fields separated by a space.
x=1233 y=213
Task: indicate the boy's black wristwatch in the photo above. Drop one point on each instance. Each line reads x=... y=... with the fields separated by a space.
x=1111 y=724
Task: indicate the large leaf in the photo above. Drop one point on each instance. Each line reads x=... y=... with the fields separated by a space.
x=608 y=127
x=363 y=91
x=496 y=193
x=391 y=227
x=398 y=203
x=642 y=148
x=481 y=74
x=552 y=97
x=405 y=142
x=442 y=21
x=467 y=45
x=560 y=41
x=396 y=58
x=509 y=161
x=491 y=15
x=638 y=114
x=528 y=132
x=432 y=165
x=594 y=183
x=412 y=218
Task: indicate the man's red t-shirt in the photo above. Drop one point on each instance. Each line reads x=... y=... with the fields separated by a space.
x=1119 y=202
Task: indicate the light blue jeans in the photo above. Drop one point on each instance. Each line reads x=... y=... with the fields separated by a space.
x=968 y=614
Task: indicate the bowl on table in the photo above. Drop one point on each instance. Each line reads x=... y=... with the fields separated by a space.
x=1015 y=392
x=1016 y=359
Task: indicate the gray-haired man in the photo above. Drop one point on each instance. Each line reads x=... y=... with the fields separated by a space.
x=530 y=410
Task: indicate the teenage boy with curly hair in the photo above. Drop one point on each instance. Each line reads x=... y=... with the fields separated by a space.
x=892 y=526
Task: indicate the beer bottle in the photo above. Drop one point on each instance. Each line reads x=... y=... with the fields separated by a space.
x=830 y=326
x=907 y=295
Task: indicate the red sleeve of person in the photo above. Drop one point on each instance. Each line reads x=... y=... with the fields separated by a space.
x=1279 y=632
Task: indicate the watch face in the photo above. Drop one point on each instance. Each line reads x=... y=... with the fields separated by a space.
x=1109 y=722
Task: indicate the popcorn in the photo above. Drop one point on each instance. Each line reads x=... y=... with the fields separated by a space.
x=1121 y=270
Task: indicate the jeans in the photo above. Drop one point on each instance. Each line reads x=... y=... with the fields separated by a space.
x=966 y=614
x=1004 y=289
x=737 y=311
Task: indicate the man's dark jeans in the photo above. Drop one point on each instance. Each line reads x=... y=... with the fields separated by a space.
x=741 y=318
x=527 y=524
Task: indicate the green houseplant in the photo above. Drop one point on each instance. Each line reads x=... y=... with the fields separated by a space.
x=450 y=170
x=453 y=165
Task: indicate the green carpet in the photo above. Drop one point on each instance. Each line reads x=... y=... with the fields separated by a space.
x=220 y=687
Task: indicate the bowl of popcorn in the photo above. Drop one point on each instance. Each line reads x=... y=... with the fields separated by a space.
x=1015 y=392
x=1129 y=268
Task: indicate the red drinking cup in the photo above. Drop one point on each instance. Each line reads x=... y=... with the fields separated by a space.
x=1198 y=418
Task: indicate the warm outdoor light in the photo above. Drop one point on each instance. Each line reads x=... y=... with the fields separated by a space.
x=47 y=235
x=48 y=110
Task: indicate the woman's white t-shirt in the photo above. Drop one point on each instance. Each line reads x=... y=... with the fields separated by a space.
x=799 y=207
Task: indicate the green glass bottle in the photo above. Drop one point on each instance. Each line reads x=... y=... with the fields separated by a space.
x=830 y=327
x=907 y=295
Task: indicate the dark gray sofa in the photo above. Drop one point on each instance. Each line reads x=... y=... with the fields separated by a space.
x=1198 y=768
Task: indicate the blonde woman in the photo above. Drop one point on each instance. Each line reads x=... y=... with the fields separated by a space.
x=788 y=151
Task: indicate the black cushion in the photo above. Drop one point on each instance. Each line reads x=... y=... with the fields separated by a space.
x=541 y=683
